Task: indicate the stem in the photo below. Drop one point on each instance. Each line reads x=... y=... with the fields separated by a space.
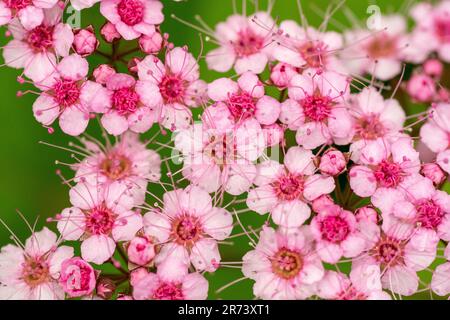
x=282 y=95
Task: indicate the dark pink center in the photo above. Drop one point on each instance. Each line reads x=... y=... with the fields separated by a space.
x=351 y=293
x=35 y=271
x=100 y=220
x=116 y=166
x=369 y=127
x=172 y=88
x=442 y=28
x=66 y=92
x=241 y=106
x=388 y=174
x=186 y=229
x=131 y=12
x=18 y=4
x=314 y=53
x=287 y=263
x=125 y=101
x=429 y=214
x=168 y=291
x=317 y=107
x=289 y=186
x=248 y=43
x=334 y=229
x=40 y=38
x=388 y=251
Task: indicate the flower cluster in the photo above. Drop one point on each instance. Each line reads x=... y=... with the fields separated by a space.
x=313 y=130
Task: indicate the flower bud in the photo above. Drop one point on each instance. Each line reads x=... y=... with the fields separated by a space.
x=141 y=251
x=433 y=68
x=105 y=288
x=367 y=213
x=332 y=162
x=109 y=32
x=133 y=65
x=77 y=277
x=433 y=172
x=151 y=44
x=103 y=72
x=85 y=42
x=282 y=74
x=322 y=202
x=421 y=88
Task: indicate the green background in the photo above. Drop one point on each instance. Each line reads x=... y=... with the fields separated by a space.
x=28 y=181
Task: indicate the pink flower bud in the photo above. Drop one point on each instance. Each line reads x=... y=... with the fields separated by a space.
x=85 y=42
x=141 y=251
x=109 y=32
x=322 y=202
x=421 y=88
x=433 y=68
x=332 y=162
x=151 y=44
x=273 y=134
x=77 y=277
x=433 y=172
x=282 y=74
x=103 y=72
x=367 y=213
x=133 y=65
x=105 y=288
x=443 y=95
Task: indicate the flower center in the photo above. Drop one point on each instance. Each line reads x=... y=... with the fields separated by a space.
x=35 y=271
x=168 y=291
x=186 y=230
x=442 y=28
x=172 y=88
x=131 y=12
x=125 y=101
x=241 y=106
x=388 y=174
x=334 y=229
x=100 y=220
x=66 y=92
x=18 y=4
x=351 y=294
x=381 y=46
x=388 y=251
x=369 y=127
x=289 y=186
x=430 y=214
x=287 y=263
x=116 y=166
x=40 y=38
x=221 y=149
x=248 y=43
x=313 y=52
x=317 y=107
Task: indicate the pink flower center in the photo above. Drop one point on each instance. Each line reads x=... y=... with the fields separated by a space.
x=317 y=107
x=35 y=271
x=172 y=88
x=381 y=46
x=289 y=186
x=248 y=43
x=430 y=214
x=334 y=229
x=442 y=28
x=131 y=12
x=287 y=263
x=100 y=220
x=351 y=294
x=388 y=252
x=66 y=92
x=168 y=291
x=314 y=53
x=125 y=101
x=18 y=4
x=388 y=174
x=186 y=230
x=116 y=166
x=369 y=127
x=40 y=38
x=241 y=106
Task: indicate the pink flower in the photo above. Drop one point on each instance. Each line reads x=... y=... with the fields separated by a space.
x=128 y=162
x=151 y=44
x=132 y=18
x=245 y=43
x=35 y=50
x=384 y=168
x=374 y=119
x=283 y=265
x=77 y=277
x=188 y=226
x=284 y=191
x=141 y=250
x=433 y=68
x=333 y=162
x=316 y=109
x=379 y=51
x=163 y=286
x=29 y=12
x=102 y=73
x=68 y=96
x=102 y=217
x=338 y=286
x=85 y=42
x=337 y=234
x=441 y=279
x=421 y=88
x=435 y=134
x=433 y=172
x=109 y=32
x=281 y=75
x=172 y=88
x=31 y=272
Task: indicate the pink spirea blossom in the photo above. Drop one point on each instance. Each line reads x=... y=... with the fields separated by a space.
x=29 y=12
x=77 y=277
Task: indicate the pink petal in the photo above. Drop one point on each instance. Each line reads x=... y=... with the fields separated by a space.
x=267 y=110
x=195 y=287
x=362 y=181
x=157 y=225
x=221 y=89
x=73 y=121
x=205 y=255
x=114 y=123
x=71 y=223
x=255 y=63
x=220 y=59
x=97 y=248
x=300 y=161
x=45 y=109
x=317 y=185
x=126 y=226
x=73 y=67
x=31 y=17
x=291 y=214
x=218 y=223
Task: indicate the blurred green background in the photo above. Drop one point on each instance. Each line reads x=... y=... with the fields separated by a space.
x=28 y=181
